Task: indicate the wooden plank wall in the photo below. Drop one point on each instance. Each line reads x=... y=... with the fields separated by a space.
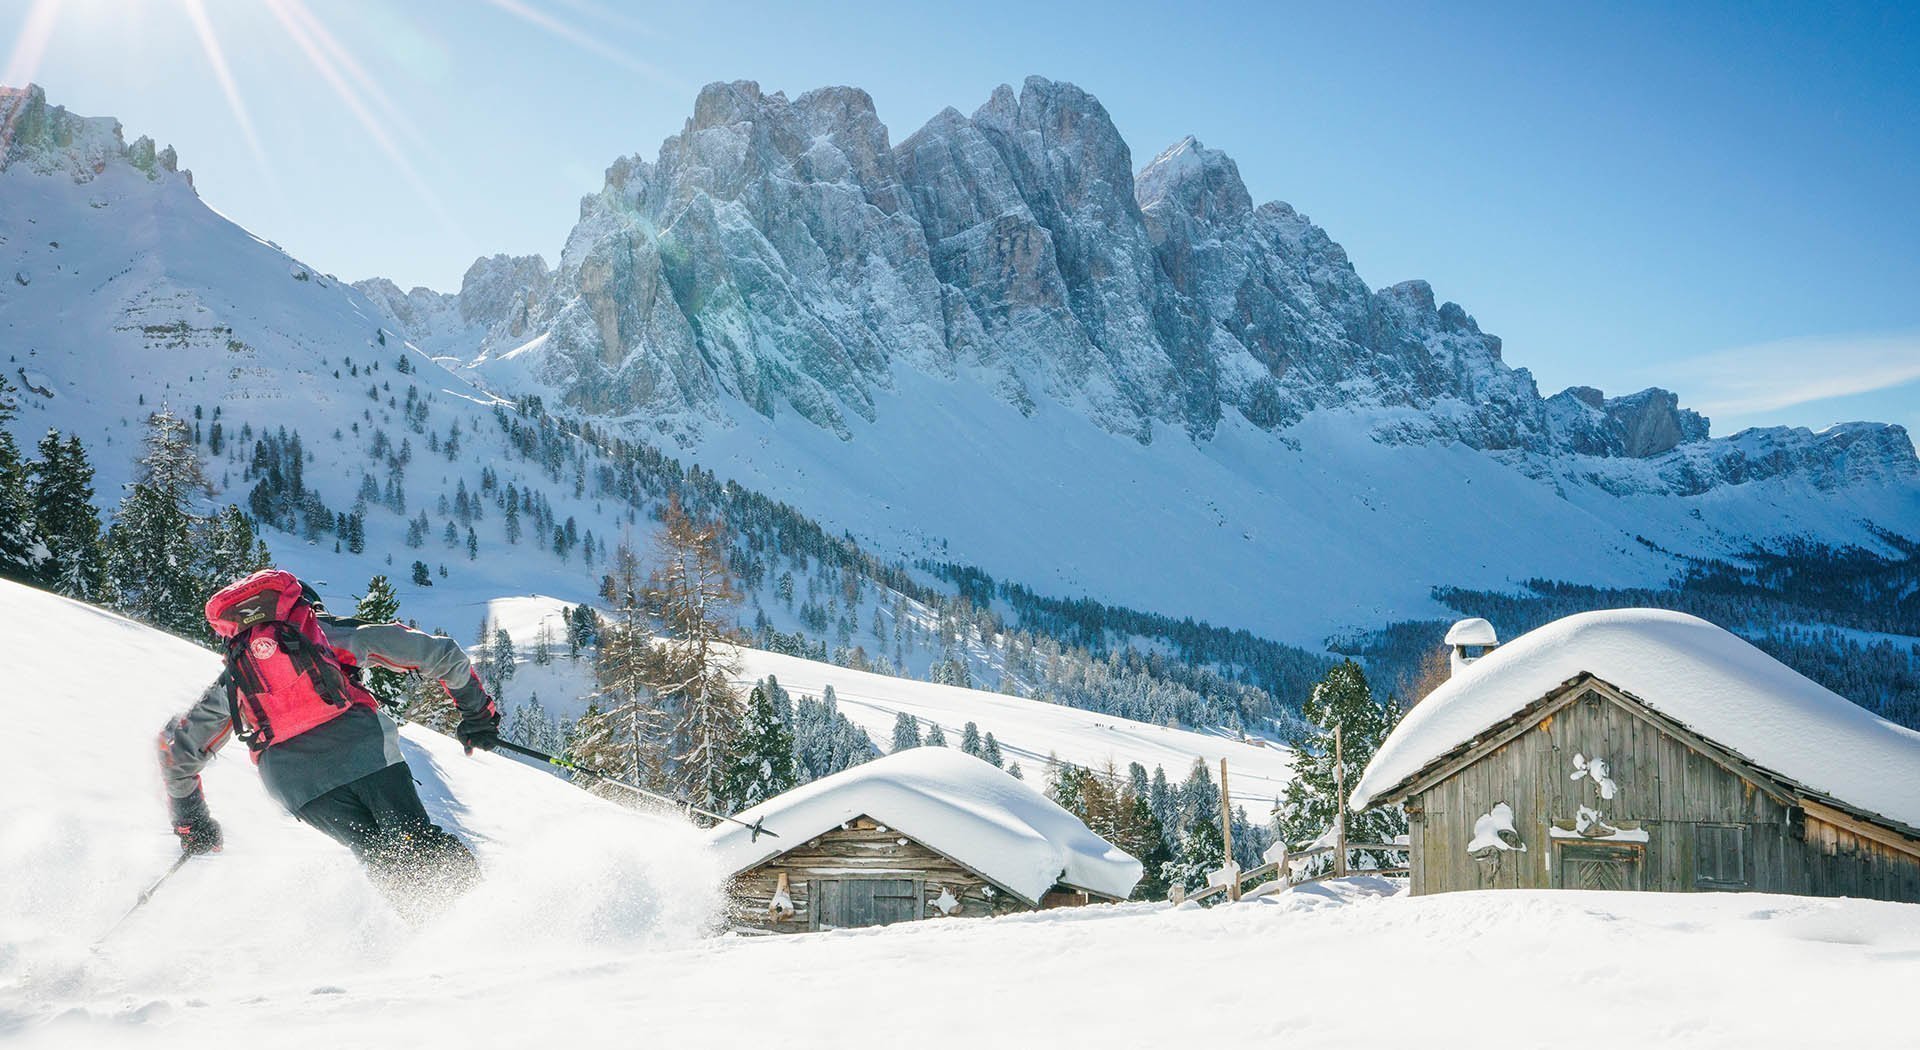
x=862 y=848
x=1664 y=784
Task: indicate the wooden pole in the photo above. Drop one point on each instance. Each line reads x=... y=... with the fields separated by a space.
x=1339 y=807
x=1226 y=831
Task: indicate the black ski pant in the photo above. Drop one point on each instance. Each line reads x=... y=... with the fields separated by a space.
x=379 y=817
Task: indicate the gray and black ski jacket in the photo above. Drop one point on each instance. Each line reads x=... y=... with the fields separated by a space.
x=363 y=740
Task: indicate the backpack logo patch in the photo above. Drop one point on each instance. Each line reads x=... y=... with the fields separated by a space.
x=263 y=648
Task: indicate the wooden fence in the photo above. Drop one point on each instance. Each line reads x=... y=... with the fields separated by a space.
x=1282 y=870
x=1282 y=874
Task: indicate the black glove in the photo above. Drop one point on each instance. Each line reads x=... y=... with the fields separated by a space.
x=481 y=731
x=198 y=831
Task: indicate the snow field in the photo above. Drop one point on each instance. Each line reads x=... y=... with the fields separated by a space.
x=83 y=829
x=1334 y=965
x=1028 y=731
x=590 y=926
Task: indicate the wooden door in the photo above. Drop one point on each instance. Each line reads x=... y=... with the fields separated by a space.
x=847 y=903
x=1597 y=866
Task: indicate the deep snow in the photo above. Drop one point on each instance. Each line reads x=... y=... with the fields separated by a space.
x=83 y=829
x=589 y=929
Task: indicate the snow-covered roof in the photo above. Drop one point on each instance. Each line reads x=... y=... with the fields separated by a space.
x=1689 y=670
x=952 y=803
x=1472 y=631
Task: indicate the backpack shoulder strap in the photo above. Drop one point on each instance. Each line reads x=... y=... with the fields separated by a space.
x=249 y=720
x=322 y=669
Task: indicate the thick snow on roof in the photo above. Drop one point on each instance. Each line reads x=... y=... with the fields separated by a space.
x=1689 y=670
x=1472 y=631
x=953 y=803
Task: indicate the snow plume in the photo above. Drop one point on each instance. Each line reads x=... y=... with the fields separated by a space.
x=282 y=911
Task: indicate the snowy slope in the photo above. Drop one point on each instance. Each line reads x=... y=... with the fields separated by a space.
x=122 y=291
x=1029 y=731
x=1319 y=531
x=995 y=343
x=83 y=829
x=589 y=926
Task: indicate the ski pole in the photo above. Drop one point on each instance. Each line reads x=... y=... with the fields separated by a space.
x=554 y=760
x=144 y=898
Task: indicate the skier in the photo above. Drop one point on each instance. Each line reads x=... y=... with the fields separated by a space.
x=325 y=750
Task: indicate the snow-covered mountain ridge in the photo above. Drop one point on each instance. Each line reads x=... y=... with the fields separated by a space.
x=782 y=254
x=996 y=343
x=1020 y=455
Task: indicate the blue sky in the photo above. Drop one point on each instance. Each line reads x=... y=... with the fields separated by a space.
x=1716 y=198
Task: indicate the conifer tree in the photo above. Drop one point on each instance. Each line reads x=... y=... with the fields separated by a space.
x=1201 y=851
x=1308 y=807
x=501 y=664
x=936 y=736
x=970 y=742
x=762 y=763
x=381 y=605
x=906 y=732
x=623 y=731
x=21 y=552
x=1161 y=800
x=150 y=552
x=228 y=548
x=1142 y=835
x=690 y=595
x=532 y=726
x=991 y=751
x=63 y=511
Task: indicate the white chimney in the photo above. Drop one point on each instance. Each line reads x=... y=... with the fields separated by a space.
x=1469 y=640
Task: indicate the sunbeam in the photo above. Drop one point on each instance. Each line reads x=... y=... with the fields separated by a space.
x=354 y=71
x=583 y=40
x=294 y=17
x=217 y=61
x=35 y=30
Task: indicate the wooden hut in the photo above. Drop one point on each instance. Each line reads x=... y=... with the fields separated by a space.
x=925 y=833
x=1640 y=749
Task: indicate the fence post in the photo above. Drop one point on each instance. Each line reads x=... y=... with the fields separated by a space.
x=1226 y=832
x=1339 y=807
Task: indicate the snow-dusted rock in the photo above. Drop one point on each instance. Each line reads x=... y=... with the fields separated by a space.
x=781 y=256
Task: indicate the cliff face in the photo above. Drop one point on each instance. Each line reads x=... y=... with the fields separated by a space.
x=782 y=255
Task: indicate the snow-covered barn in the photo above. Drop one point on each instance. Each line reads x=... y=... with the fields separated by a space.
x=1644 y=749
x=928 y=832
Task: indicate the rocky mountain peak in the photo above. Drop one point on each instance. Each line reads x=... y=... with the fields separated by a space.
x=49 y=139
x=1201 y=183
x=784 y=256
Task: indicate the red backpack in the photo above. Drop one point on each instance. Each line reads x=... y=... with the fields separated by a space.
x=283 y=677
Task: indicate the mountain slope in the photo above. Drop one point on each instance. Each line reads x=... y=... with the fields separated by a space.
x=996 y=343
x=1029 y=732
x=126 y=293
